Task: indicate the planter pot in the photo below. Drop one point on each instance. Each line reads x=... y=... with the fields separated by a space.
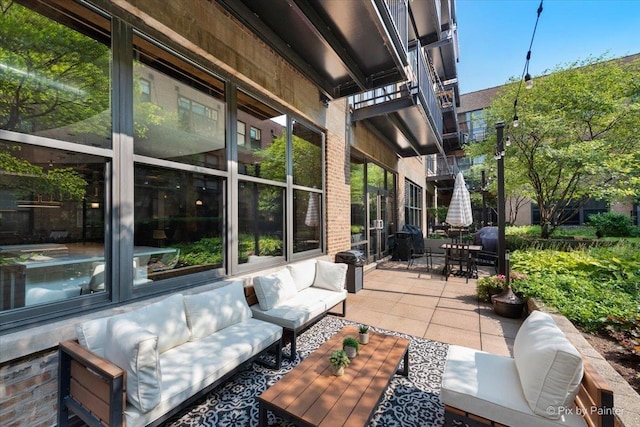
x=364 y=338
x=351 y=352
x=338 y=372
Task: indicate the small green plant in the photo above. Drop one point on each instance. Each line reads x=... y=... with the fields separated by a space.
x=363 y=329
x=339 y=359
x=611 y=224
x=351 y=342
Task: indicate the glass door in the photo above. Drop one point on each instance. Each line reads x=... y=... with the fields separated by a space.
x=379 y=222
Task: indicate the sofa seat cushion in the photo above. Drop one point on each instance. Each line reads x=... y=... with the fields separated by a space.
x=488 y=385
x=210 y=311
x=293 y=313
x=194 y=365
x=165 y=318
x=135 y=350
x=549 y=366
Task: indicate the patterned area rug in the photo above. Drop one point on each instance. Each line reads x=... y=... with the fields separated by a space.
x=413 y=401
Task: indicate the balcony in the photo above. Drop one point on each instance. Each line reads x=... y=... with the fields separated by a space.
x=408 y=114
x=441 y=168
x=344 y=47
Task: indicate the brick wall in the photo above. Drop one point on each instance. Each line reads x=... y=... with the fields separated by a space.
x=29 y=390
x=338 y=195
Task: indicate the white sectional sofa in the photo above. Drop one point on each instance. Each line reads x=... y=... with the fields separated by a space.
x=143 y=366
x=546 y=383
x=299 y=295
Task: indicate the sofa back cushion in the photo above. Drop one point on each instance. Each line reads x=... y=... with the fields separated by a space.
x=549 y=367
x=303 y=273
x=165 y=318
x=274 y=289
x=330 y=275
x=217 y=309
x=135 y=349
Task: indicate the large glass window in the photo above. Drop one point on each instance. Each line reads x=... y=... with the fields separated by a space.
x=412 y=204
x=358 y=204
x=179 y=223
x=52 y=217
x=177 y=116
x=260 y=223
x=54 y=78
x=265 y=157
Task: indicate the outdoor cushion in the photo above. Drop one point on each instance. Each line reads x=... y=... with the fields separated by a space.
x=549 y=367
x=291 y=314
x=330 y=275
x=274 y=289
x=165 y=318
x=189 y=368
x=211 y=311
x=303 y=273
x=135 y=350
x=488 y=385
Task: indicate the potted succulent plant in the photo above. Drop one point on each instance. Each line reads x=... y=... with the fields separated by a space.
x=339 y=361
x=364 y=334
x=351 y=346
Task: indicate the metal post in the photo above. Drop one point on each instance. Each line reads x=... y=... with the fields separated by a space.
x=501 y=201
x=483 y=185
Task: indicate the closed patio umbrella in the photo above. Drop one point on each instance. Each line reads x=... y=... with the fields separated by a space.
x=459 y=214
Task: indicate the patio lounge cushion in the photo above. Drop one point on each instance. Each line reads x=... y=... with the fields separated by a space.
x=294 y=312
x=549 y=367
x=211 y=311
x=135 y=350
x=303 y=273
x=274 y=289
x=488 y=385
x=190 y=367
x=330 y=276
x=165 y=318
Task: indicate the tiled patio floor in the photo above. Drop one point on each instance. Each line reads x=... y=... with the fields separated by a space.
x=421 y=303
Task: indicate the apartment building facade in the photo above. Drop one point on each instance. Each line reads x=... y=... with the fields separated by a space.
x=151 y=147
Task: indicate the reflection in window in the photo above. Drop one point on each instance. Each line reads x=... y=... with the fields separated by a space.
x=412 y=204
x=56 y=87
x=307 y=226
x=51 y=224
x=307 y=157
x=358 y=202
x=184 y=119
x=266 y=157
x=178 y=223
x=260 y=222
x=242 y=134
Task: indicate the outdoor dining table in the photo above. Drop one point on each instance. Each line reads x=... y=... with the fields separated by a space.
x=448 y=246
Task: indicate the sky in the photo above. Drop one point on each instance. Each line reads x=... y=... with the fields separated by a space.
x=494 y=36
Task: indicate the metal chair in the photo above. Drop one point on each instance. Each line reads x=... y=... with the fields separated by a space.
x=460 y=255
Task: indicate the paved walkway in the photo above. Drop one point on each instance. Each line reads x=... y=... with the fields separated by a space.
x=421 y=303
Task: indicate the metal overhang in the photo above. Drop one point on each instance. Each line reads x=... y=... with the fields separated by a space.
x=344 y=47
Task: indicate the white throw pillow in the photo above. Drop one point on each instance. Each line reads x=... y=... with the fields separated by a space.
x=550 y=368
x=211 y=311
x=303 y=274
x=330 y=275
x=135 y=350
x=274 y=289
x=166 y=319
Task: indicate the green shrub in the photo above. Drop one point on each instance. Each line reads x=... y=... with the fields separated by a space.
x=612 y=224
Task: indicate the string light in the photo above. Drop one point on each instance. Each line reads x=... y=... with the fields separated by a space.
x=526 y=77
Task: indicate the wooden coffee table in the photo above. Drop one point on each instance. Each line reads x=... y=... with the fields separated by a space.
x=310 y=395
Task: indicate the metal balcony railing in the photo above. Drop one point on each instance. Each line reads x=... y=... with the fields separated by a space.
x=398 y=10
x=438 y=165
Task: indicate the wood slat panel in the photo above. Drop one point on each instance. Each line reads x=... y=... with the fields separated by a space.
x=90 y=401
x=98 y=385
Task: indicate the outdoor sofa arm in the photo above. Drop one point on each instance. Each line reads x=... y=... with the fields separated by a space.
x=90 y=386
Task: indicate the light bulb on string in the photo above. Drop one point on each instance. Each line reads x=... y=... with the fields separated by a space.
x=528 y=81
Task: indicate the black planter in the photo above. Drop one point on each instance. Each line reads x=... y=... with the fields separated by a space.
x=507 y=304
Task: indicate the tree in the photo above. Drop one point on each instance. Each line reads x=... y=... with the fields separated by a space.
x=577 y=137
x=50 y=75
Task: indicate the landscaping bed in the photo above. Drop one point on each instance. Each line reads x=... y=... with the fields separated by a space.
x=623 y=360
